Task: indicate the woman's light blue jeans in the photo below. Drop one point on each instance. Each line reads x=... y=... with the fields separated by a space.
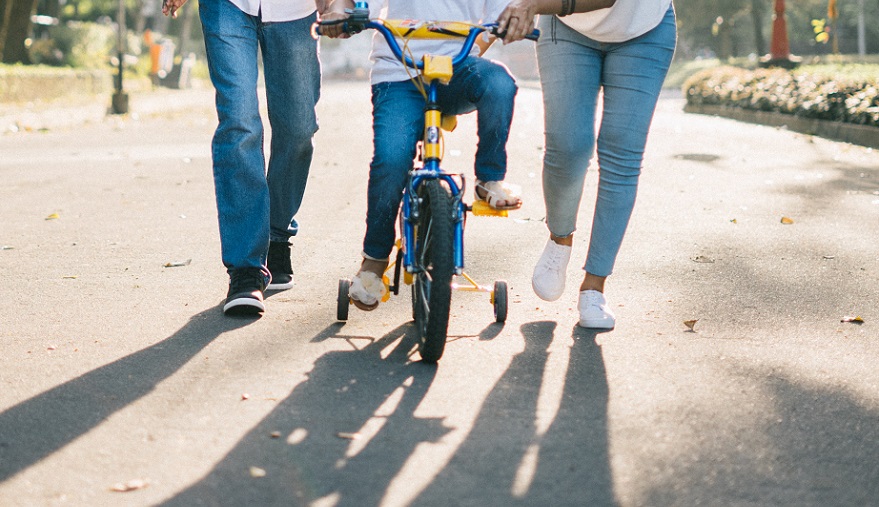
x=254 y=206
x=573 y=69
x=398 y=123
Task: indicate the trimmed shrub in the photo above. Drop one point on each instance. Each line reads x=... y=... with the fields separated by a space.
x=76 y=44
x=837 y=93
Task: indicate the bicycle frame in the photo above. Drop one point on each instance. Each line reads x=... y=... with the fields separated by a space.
x=432 y=137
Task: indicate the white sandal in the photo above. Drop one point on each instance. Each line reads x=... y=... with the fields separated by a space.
x=366 y=290
x=494 y=192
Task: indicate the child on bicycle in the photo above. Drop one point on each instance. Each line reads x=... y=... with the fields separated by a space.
x=398 y=122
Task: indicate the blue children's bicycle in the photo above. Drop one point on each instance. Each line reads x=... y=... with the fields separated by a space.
x=431 y=248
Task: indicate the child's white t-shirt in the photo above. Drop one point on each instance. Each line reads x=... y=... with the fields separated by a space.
x=386 y=67
x=624 y=21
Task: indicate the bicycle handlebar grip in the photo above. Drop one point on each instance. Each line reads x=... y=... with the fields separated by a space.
x=534 y=35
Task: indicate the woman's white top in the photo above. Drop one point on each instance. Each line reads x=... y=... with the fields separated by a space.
x=624 y=21
x=277 y=10
x=386 y=67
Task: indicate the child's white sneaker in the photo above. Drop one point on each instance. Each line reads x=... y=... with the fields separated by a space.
x=548 y=280
x=366 y=290
x=594 y=312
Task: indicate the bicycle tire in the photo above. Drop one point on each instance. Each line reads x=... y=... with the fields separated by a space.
x=435 y=266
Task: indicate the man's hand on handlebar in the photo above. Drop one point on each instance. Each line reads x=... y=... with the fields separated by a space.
x=334 y=30
x=332 y=19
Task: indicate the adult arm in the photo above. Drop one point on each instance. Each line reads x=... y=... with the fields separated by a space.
x=518 y=17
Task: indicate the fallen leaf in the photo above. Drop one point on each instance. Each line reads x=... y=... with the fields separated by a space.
x=70 y=277
x=51 y=347
x=852 y=319
x=348 y=436
x=131 y=485
x=6 y=247
x=53 y=216
x=178 y=264
x=703 y=259
x=829 y=257
x=787 y=221
x=734 y=221
x=691 y=324
x=276 y=434
x=245 y=396
x=257 y=472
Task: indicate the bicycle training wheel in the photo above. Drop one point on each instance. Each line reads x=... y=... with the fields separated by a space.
x=343 y=301
x=500 y=299
x=434 y=263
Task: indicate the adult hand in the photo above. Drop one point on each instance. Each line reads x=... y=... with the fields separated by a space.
x=517 y=19
x=333 y=31
x=170 y=7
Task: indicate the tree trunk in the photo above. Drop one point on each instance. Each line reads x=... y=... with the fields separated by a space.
x=5 y=13
x=185 y=30
x=16 y=28
x=51 y=8
x=757 y=16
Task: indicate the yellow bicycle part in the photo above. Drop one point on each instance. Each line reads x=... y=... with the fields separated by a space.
x=482 y=208
x=449 y=122
x=412 y=29
x=437 y=67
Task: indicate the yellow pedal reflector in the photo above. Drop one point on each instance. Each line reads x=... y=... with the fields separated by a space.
x=481 y=208
x=438 y=67
x=407 y=278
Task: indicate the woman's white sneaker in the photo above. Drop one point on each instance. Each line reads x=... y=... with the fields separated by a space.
x=548 y=280
x=594 y=313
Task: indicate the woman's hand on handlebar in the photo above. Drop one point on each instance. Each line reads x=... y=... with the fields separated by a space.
x=517 y=20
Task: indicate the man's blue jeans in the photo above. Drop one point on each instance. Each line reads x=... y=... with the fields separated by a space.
x=573 y=69
x=398 y=123
x=254 y=206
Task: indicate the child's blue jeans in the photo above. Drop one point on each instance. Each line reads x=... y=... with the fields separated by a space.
x=398 y=123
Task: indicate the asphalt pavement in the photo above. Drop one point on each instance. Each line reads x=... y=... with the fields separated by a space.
x=742 y=370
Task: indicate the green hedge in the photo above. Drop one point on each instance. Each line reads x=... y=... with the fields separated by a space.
x=847 y=93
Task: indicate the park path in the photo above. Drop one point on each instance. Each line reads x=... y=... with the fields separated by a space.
x=119 y=371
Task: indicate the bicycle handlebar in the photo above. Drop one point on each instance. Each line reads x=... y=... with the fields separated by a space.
x=359 y=21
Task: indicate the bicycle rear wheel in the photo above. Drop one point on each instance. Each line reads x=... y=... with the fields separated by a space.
x=434 y=263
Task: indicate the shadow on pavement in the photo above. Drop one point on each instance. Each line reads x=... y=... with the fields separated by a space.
x=816 y=446
x=508 y=460
x=341 y=436
x=35 y=428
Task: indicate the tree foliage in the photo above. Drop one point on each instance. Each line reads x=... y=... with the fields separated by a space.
x=737 y=27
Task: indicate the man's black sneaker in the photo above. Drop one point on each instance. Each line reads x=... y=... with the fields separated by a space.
x=246 y=287
x=279 y=266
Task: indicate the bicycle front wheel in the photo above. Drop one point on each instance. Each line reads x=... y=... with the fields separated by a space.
x=434 y=267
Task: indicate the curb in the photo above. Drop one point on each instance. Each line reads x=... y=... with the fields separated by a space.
x=863 y=135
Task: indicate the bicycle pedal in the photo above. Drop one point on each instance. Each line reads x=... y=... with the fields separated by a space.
x=481 y=208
